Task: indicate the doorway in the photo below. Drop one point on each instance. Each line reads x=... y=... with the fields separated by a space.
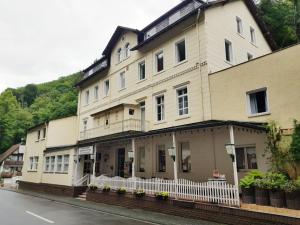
x=87 y=165
x=143 y=115
x=121 y=162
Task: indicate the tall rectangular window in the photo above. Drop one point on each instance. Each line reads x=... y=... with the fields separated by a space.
x=66 y=163
x=246 y=158
x=33 y=163
x=96 y=92
x=52 y=163
x=239 y=25
x=59 y=163
x=180 y=51
x=183 y=105
x=142 y=159
x=38 y=135
x=186 y=164
x=228 y=51
x=142 y=70
x=160 y=108
x=252 y=35
x=47 y=164
x=161 y=153
x=44 y=133
x=258 y=102
x=87 y=97
x=159 y=61
x=122 y=80
x=106 y=88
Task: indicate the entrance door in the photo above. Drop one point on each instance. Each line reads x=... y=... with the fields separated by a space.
x=143 y=116
x=121 y=161
x=87 y=165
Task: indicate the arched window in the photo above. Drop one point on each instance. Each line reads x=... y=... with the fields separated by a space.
x=127 y=50
x=119 y=55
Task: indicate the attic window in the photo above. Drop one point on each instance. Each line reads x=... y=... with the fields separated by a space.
x=119 y=55
x=127 y=50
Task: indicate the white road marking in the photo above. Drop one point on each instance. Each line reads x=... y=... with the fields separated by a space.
x=40 y=217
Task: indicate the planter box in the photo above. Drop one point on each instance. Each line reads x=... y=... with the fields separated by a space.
x=293 y=200
x=277 y=198
x=248 y=195
x=262 y=196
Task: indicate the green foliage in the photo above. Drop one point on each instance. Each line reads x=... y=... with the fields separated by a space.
x=272 y=181
x=33 y=104
x=280 y=17
x=249 y=180
x=290 y=186
x=139 y=193
x=93 y=187
x=106 y=188
x=162 y=196
x=295 y=145
x=121 y=191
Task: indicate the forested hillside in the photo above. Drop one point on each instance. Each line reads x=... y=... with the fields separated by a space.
x=24 y=107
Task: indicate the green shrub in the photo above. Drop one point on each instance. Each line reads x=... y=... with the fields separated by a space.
x=93 y=187
x=275 y=181
x=162 y=196
x=289 y=186
x=106 y=188
x=297 y=183
x=249 y=180
x=121 y=191
x=139 y=193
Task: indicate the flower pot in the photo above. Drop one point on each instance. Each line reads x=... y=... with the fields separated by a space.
x=293 y=200
x=262 y=196
x=248 y=195
x=277 y=198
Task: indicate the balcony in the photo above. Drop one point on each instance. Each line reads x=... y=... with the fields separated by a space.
x=114 y=128
x=13 y=163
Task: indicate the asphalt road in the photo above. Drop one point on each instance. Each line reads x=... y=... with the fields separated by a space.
x=16 y=209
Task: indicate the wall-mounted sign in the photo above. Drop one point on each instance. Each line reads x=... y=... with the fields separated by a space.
x=88 y=150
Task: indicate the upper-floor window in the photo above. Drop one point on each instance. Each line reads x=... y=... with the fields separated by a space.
x=106 y=88
x=44 y=132
x=142 y=70
x=185 y=153
x=159 y=61
x=183 y=105
x=160 y=108
x=122 y=80
x=252 y=35
x=87 y=97
x=180 y=51
x=246 y=158
x=239 y=25
x=85 y=124
x=228 y=51
x=127 y=50
x=96 y=92
x=119 y=55
x=142 y=159
x=258 y=102
x=249 y=56
x=38 y=135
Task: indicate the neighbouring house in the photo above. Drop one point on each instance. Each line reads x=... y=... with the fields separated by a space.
x=11 y=161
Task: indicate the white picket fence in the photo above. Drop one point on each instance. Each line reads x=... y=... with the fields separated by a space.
x=218 y=192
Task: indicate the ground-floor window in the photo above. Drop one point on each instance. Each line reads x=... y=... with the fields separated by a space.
x=59 y=163
x=161 y=153
x=186 y=163
x=47 y=164
x=66 y=163
x=142 y=158
x=52 y=163
x=246 y=158
x=34 y=163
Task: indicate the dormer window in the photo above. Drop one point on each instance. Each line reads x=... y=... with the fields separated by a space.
x=127 y=50
x=119 y=55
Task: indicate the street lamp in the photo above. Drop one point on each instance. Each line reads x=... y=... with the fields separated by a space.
x=131 y=155
x=230 y=149
x=172 y=153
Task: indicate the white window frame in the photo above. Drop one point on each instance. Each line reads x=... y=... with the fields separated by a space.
x=52 y=164
x=127 y=50
x=245 y=148
x=65 y=163
x=59 y=163
x=87 y=97
x=122 y=80
x=162 y=106
x=33 y=163
x=181 y=156
x=47 y=164
x=105 y=89
x=182 y=96
x=239 y=25
x=176 y=51
x=156 y=61
x=252 y=35
x=96 y=92
x=143 y=62
x=230 y=51
x=119 y=55
x=250 y=114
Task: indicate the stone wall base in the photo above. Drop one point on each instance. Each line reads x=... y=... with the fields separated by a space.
x=55 y=189
x=192 y=210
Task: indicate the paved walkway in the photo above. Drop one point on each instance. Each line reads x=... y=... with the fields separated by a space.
x=137 y=214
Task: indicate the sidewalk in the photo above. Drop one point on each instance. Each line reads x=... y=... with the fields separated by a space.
x=153 y=217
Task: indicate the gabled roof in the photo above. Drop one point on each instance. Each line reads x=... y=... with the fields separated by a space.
x=8 y=152
x=115 y=37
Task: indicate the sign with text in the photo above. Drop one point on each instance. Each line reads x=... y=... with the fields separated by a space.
x=88 y=150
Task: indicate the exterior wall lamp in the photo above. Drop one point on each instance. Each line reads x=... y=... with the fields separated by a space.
x=230 y=149
x=131 y=155
x=172 y=153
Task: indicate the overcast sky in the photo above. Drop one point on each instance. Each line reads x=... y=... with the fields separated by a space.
x=41 y=40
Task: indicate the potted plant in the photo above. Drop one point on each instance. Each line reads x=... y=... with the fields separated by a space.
x=106 y=189
x=290 y=190
x=93 y=187
x=1 y=182
x=261 y=192
x=247 y=186
x=121 y=191
x=162 y=196
x=276 y=181
x=139 y=193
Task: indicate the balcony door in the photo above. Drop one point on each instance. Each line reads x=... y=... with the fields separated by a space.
x=121 y=162
x=143 y=115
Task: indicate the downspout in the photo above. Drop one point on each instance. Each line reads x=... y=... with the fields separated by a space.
x=199 y=55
